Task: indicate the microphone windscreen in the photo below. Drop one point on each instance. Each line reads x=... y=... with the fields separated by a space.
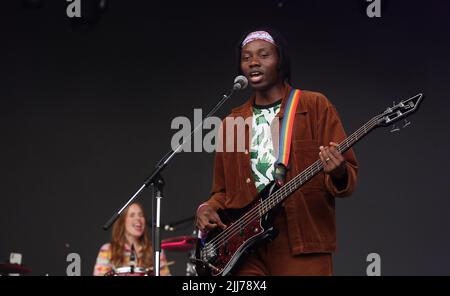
x=240 y=82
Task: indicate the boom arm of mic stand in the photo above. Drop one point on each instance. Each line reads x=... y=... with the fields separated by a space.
x=162 y=163
x=172 y=225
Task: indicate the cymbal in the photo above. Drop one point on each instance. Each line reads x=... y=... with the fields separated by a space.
x=6 y=268
x=168 y=264
x=179 y=243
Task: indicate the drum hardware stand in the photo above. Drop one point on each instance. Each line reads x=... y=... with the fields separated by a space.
x=190 y=266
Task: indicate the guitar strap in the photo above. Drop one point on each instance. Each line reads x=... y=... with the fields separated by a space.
x=281 y=165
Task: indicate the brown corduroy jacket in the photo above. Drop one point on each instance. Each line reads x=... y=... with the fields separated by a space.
x=310 y=211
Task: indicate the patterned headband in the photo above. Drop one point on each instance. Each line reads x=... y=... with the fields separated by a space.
x=258 y=35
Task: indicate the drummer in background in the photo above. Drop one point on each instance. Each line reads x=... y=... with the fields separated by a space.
x=129 y=230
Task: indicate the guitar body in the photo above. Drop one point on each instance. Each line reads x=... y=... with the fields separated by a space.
x=222 y=257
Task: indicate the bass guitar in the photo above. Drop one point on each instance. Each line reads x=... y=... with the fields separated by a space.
x=221 y=250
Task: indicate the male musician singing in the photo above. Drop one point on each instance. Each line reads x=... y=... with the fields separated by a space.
x=306 y=220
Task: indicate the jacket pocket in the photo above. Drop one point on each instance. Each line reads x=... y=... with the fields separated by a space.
x=233 y=181
x=306 y=152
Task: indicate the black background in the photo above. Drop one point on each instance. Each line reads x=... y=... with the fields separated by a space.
x=86 y=113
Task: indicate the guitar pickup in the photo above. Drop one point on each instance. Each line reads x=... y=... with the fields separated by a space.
x=225 y=248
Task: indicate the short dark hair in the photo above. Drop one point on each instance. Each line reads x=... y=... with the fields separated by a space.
x=284 y=63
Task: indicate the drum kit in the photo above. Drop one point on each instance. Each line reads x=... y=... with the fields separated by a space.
x=134 y=271
x=177 y=244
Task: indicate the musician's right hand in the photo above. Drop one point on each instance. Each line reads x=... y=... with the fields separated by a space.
x=207 y=218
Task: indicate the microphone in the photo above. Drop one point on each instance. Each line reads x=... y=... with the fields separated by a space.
x=175 y=225
x=240 y=82
x=133 y=256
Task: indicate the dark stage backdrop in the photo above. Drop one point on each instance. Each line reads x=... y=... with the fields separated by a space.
x=86 y=113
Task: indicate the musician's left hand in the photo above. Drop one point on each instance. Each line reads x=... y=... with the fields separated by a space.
x=333 y=161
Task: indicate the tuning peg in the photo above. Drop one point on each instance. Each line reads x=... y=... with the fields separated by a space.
x=406 y=123
x=394 y=129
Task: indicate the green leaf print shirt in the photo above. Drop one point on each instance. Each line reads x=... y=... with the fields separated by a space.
x=262 y=158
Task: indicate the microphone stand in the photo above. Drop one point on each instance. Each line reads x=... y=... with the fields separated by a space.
x=156 y=181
